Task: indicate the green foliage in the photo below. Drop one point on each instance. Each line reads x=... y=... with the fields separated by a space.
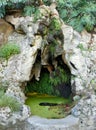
x=47 y=83
x=81 y=14
x=82 y=47
x=78 y=13
x=55 y=24
x=11 y=2
x=4 y=4
x=53 y=47
x=2 y=12
x=59 y=76
x=9 y=101
x=29 y=10
x=47 y=2
x=37 y=15
x=8 y=50
x=32 y=10
x=42 y=86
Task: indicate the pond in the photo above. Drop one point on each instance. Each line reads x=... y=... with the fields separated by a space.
x=48 y=106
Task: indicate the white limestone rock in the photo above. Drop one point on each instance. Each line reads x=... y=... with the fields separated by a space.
x=80 y=57
x=5 y=113
x=17 y=93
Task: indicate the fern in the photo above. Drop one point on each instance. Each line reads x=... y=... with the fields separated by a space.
x=59 y=76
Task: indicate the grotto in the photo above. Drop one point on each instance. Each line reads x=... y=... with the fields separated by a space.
x=54 y=57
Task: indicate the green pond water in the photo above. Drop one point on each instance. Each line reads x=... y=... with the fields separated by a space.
x=49 y=110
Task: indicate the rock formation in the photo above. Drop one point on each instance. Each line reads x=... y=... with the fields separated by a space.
x=5 y=30
x=77 y=50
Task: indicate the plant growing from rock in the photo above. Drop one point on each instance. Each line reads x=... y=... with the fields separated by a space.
x=55 y=24
x=9 y=49
x=8 y=101
x=59 y=76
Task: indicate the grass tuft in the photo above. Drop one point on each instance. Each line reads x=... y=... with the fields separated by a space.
x=6 y=100
x=9 y=49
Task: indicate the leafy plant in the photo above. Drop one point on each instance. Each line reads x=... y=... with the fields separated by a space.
x=2 y=12
x=2 y=88
x=29 y=10
x=47 y=2
x=9 y=101
x=59 y=76
x=37 y=15
x=42 y=86
x=77 y=13
x=8 y=50
x=55 y=24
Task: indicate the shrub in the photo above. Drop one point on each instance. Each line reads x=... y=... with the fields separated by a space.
x=78 y=13
x=8 y=50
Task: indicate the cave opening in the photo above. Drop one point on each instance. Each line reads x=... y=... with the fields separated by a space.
x=51 y=96
x=53 y=81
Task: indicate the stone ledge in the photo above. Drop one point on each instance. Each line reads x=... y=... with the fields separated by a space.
x=38 y=123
